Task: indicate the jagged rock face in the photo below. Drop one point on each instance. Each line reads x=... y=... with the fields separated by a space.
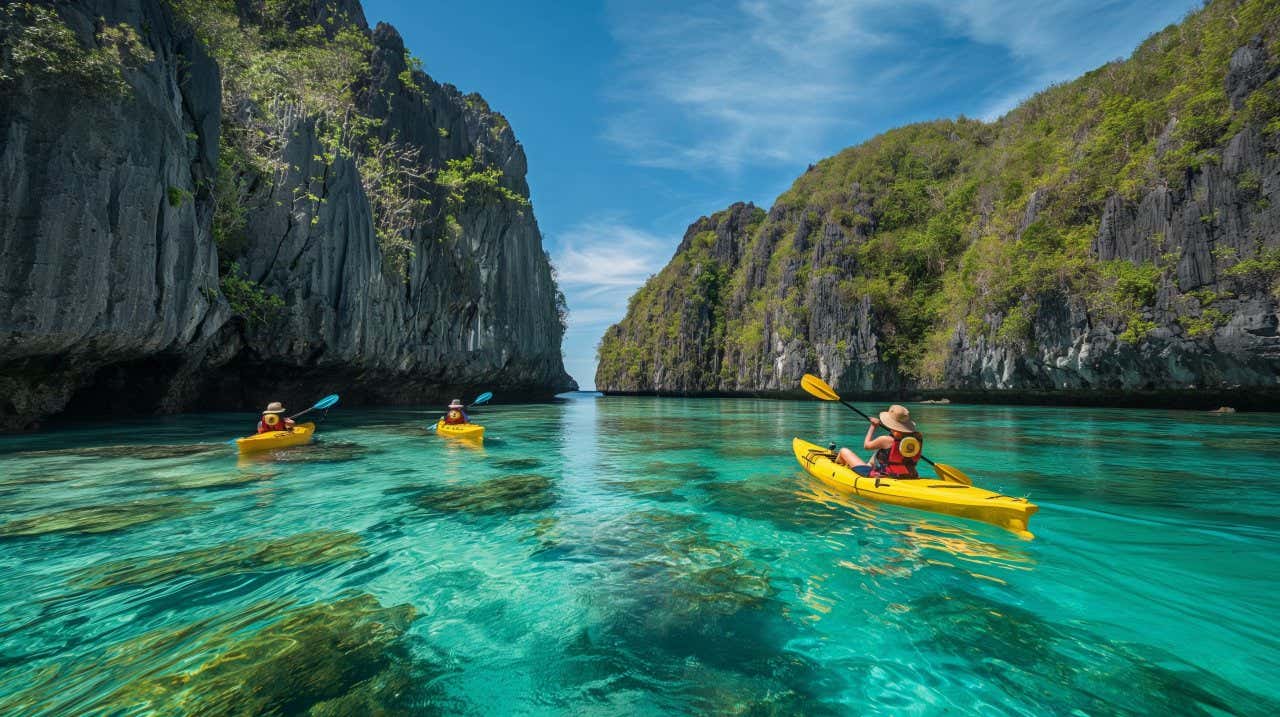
x=789 y=305
x=476 y=310
x=104 y=227
x=110 y=287
x=683 y=350
x=1074 y=350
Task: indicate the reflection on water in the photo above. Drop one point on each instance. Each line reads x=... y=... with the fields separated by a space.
x=636 y=556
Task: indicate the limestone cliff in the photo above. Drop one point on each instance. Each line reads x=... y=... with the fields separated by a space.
x=114 y=287
x=1116 y=238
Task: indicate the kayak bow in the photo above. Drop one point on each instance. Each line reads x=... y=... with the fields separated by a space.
x=920 y=493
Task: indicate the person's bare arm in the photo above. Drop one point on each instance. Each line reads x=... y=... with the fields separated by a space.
x=871 y=443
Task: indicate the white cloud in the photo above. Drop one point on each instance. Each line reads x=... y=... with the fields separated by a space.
x=705 y=85
x=597 y=256
x=708 y=85
x=1056 y=40
x=600 y=263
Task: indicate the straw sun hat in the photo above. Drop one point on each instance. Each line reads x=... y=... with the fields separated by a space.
x=898 y=418
x=274 y=407
x=456 y=403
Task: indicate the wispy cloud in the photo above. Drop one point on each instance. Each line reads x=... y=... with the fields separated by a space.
x=703 y=84
x=1055 y=40
x=600 y=263
x=601 y=256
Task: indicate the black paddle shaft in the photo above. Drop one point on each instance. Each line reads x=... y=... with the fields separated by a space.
x=860 y=413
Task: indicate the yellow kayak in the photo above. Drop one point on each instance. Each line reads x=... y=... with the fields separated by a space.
x=920 y=493
x=472 y=431
x=297 y=436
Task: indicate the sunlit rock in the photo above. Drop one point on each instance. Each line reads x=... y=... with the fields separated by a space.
x=517 y=464
x=693 y=613
x=520 y=493
x=772 y=498
x=223 y=479
x=1034 y=662
x=251 y=556
x=100 y=518
x=138 y=452
x=320 y=452
x=343 y=657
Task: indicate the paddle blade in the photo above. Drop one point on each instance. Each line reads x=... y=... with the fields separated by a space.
x=818 y=388
x=326 y=402
x=951 y=473
x=482 y=398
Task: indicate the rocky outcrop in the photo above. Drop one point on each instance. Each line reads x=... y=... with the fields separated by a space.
x=1210 y=225
x=110 y=280
x=683 y=303
x=807 y=289
x=104 y=230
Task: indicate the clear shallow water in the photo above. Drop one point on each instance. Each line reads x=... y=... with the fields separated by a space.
x=639 y=556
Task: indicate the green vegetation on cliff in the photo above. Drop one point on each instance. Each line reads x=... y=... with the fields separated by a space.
x=282 y=67
x=971 y=227
x=37 y=46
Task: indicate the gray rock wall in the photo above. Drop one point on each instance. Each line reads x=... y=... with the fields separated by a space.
x=99 y=266
x=109 y=290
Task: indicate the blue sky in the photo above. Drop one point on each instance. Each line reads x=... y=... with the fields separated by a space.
x=638 y=117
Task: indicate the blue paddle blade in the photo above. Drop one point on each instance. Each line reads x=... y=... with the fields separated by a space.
x=327 y=401
x=482 y=398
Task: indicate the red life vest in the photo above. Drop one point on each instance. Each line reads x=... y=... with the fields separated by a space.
x=891 y=462
x=455 y=416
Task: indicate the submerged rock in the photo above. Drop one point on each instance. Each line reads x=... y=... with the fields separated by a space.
x=100 y=518
x=517 y=464
x=304 y=549
x=320 y=452
x=224 y=479
x=694 y=614
x=139 y=452
x=769 y=498
x=1040 y=663
x=684 y=472
x=520 y=493
x=343 y=657
x=656 y=488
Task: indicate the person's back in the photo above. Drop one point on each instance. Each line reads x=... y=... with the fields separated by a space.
x=899 y=459
x=273 y=420
x=896 y=454
x=456 y=413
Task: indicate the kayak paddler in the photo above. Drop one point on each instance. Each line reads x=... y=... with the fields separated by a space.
x=273 y=419
x=896 y=454
x=456 y=413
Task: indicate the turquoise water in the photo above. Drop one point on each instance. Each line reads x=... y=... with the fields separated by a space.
x=638 y=556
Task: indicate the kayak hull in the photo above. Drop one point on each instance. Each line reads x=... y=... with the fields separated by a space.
x=469 y=431
x=936 y=496
x=297 y=436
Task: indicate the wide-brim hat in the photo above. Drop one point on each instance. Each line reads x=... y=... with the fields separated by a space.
x=456 y=403
x=898 y=418
x=274 y=407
